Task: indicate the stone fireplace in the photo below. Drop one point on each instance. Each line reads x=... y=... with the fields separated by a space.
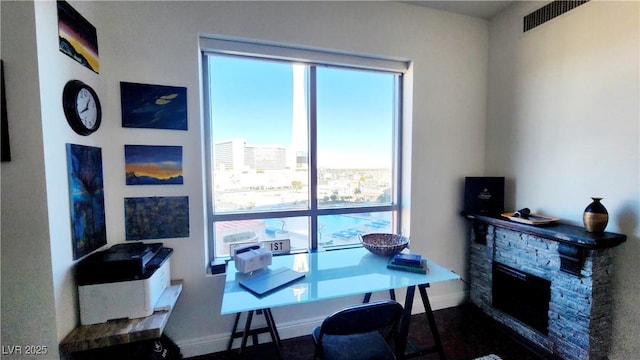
x=549 y=284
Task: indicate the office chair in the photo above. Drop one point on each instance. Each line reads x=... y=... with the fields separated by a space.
x=357 y=332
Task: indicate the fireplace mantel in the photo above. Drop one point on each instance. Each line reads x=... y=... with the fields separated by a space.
x=571 y=235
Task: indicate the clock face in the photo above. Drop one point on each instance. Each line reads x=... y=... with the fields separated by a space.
x=81 y=107
x=86 y=108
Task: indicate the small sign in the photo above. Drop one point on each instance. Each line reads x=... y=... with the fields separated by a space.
x=281 y=246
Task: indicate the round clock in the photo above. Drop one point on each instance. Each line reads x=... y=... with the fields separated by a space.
x=81 y=107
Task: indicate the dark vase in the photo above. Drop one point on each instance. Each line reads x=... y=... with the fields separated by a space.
x=595 y=216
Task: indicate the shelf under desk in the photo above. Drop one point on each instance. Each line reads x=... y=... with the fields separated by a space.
x=122 y=331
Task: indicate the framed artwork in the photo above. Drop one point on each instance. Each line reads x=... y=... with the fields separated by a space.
x=77 y=37
x=153 y=165
x=153 y=106
x=86 y=198
x=156 y=217
x=6 y=148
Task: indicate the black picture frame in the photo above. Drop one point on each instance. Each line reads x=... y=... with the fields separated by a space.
x=6 y=146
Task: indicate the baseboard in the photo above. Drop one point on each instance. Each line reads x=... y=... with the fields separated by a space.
x=218 y=342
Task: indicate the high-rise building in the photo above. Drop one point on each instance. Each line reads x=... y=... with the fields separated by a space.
x=299 y=150
x=236 y=155
x=229 y=154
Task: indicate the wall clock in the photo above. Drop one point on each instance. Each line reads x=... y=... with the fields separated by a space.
x=81 y=107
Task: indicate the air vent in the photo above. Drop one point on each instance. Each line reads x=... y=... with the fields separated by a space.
x=548 y=12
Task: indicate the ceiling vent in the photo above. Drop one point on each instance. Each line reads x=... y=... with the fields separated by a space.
x=549 y=11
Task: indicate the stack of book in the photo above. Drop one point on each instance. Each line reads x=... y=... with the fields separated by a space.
x=408 y=262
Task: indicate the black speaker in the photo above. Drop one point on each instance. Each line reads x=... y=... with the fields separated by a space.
x=484 y=195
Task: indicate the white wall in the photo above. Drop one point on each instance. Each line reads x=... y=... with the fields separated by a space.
x=28 y=306
x=563 y=125
x=157 y=43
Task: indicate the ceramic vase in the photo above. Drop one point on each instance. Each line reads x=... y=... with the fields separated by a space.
x=595 y=216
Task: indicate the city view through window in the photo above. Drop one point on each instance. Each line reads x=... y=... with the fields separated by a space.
x=266 y=134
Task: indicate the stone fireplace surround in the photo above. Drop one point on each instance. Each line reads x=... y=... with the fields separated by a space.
x=577 y=263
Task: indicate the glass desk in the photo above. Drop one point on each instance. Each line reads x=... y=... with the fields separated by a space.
x=328 y=275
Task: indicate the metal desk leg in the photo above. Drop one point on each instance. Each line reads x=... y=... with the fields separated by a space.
x=367 y=296
x=404 y=326
x=245 y=333
x=432 y=321
x=404 y=323
x=233 y=332
x=275 y=337
x=271 y=328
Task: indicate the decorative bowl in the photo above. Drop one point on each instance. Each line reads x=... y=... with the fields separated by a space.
x=384 y=244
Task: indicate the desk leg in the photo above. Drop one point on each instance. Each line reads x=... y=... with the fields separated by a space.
x=404 y=322
x=271 y=328
x=432 y=320
x=404 y=325
x=367 y=296
x=233 y=332
x=275 y=337
x=245 y=333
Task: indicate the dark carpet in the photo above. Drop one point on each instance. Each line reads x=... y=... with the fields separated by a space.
x=465 y=332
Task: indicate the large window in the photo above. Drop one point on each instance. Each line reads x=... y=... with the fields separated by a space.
x=299 y=150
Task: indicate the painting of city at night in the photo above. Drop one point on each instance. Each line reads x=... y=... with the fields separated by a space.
x=153 y=164
x=153 y=106
x=77 y=37
x=86 y=196
x=156 y=217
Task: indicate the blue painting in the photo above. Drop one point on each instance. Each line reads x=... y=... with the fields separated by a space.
x=156 y=217
x=153 y=164
x=153 y=106
x=86 y=195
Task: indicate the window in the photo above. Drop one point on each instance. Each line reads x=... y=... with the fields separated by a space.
x=306 y=150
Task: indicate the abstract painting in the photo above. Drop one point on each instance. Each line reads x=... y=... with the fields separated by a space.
x=153 y=106
x=156 y=217
x=78 y=38
x=86 y=198
x=153 y=165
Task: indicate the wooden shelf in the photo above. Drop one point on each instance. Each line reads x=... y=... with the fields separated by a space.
x=123 y=331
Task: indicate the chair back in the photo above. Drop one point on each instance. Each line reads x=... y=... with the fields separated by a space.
x=362 y=318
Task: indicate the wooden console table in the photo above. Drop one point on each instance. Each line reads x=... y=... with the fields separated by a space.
x=123 y=331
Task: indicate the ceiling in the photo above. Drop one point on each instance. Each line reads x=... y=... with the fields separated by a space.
x=485 y=9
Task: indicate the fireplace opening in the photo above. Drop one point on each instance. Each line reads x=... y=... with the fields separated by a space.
x=524 y=296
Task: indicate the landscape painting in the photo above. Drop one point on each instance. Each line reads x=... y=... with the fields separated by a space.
x=77 y=37
x=156 y=217
x=153 y=164
x=153 y=106
x=86 y=195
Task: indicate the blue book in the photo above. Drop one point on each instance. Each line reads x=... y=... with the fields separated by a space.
x=422 y=269
x=408 y=259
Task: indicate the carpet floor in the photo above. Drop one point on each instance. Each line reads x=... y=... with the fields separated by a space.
x=466 y=334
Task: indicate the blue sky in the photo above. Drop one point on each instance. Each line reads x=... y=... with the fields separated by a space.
x=254 y=100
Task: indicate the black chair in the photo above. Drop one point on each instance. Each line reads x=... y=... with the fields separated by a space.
x=358 y=332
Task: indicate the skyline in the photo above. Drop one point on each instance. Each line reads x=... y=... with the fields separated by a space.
x=254 y=100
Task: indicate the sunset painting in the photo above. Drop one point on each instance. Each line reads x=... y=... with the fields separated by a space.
x=77 y=37
x=153 y=164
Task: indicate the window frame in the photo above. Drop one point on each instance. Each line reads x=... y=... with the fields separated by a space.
x=313 y=58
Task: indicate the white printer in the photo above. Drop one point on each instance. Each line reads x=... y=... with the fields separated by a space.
x=124 y=281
